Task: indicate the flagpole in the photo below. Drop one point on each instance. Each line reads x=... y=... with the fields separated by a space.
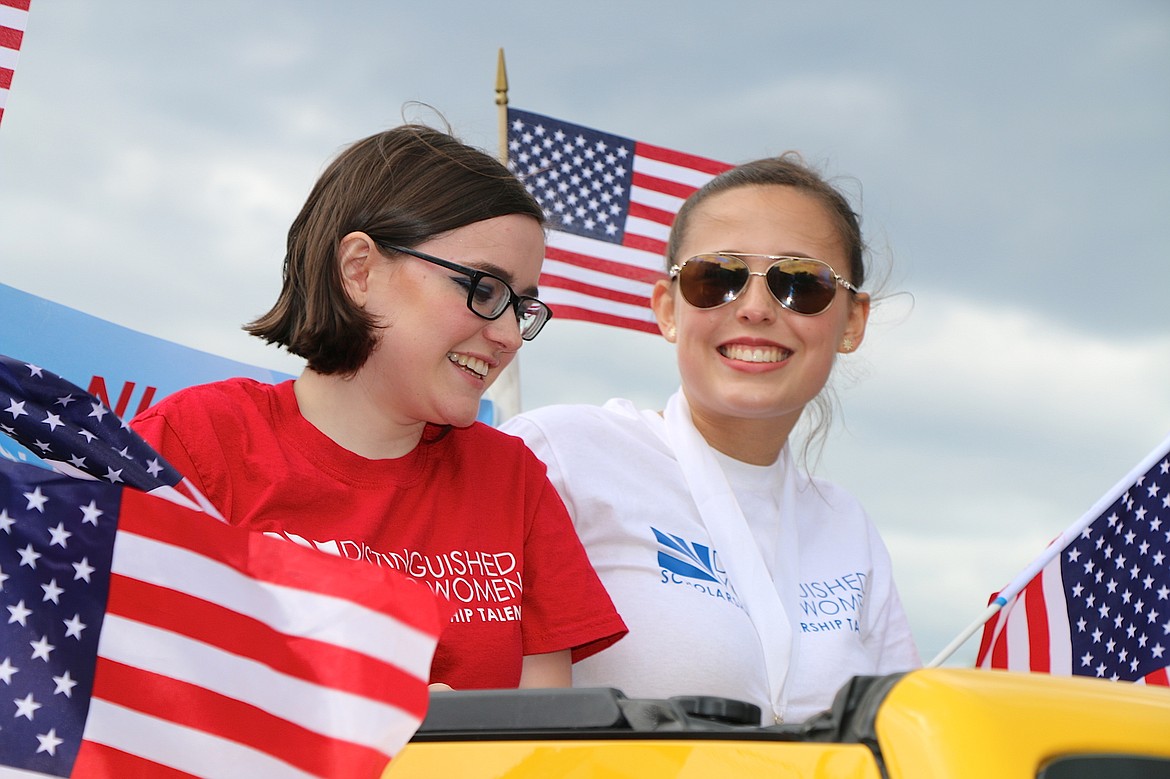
x=505 y=393
x=969 y=631
x=1052 y=550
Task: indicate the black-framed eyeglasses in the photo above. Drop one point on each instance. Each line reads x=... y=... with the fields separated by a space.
x=489 y=296
x=800 y=284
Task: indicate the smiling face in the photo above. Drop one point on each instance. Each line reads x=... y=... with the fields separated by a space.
x=750 y=367
x=435 y=358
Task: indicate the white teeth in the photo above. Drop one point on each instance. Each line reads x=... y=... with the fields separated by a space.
x=473 y=364
x=754 y=353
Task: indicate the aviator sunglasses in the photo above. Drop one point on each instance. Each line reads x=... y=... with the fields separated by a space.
x=800 y=284
x=489 y=296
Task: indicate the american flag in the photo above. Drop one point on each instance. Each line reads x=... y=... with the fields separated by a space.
x=610 y=202
x=1100 y=606
x=13 y=21
x=143 y=637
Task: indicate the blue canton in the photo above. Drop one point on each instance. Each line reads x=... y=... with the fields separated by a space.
x=56 y=545
x=581 y=177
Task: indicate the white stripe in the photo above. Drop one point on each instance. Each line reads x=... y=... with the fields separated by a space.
x=1059 y=637
x=671 y=172
x=8 y=58
x=597 y=278
x=636 y=225
x=201 y=499
x=649 y=197
x=1000 y=619
x=301 y=613
x=180 y=747
x=169 y=493
x=563 y=297
x=15 y=18
x=590 y=247
x=333 y=712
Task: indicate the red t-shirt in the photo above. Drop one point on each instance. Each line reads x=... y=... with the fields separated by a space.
x=471 y=514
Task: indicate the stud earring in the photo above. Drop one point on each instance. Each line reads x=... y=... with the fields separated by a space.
x=847 y=345
x=671 y=332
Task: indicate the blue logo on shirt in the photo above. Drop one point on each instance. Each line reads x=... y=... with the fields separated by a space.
x=695 y=566
x=697 y=563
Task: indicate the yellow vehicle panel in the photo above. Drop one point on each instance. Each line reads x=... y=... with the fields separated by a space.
x=606 y=759
x=966 y=723
x=927 y=724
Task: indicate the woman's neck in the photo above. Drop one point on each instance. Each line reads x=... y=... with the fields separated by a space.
x=342 y=409
x=753 y=441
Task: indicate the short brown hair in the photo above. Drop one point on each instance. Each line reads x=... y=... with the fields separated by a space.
x=402 y=186
x=787 y=170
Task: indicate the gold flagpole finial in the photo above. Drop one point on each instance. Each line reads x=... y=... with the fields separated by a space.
x=502 y=102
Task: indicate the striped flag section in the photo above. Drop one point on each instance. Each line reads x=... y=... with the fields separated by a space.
x=1097 y=602
x=610 y=202
x=146 y=639
x=13 y=21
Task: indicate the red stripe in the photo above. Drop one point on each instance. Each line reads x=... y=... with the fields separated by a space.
x=5 y=78
x=988 y=632
x=643 y=243
x=10 y=38
x=318 y=662
x=606 y=293
x=279 y=562
x=98 y=761
x=664 y=218
x=193 y=707
x=665 y=186
x=21 y=5
x=612 y=267
x=1160 y=678
x=681 y=159
x=1039 y=658
x=585 y=315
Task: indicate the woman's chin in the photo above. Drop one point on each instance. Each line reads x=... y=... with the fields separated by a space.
x=459 y=417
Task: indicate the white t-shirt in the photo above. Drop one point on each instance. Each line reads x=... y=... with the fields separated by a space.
x=689 y=631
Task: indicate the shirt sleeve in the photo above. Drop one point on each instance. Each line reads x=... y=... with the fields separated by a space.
x=183 y=452
x=565 y=604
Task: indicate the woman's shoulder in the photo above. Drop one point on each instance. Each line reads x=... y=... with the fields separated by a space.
x=586 y=433
x=573 y=416
x=226 y=398
x=835 y=508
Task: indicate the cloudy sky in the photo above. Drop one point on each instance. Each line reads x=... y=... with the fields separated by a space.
x=1011 y=161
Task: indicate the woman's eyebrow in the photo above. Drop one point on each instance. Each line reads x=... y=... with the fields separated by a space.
x=505 y=274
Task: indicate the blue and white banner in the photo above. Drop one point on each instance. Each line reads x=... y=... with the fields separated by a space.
x=126 y=370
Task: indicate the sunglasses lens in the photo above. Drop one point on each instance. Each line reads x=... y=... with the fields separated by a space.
x=708 y=280
x=804 y=286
